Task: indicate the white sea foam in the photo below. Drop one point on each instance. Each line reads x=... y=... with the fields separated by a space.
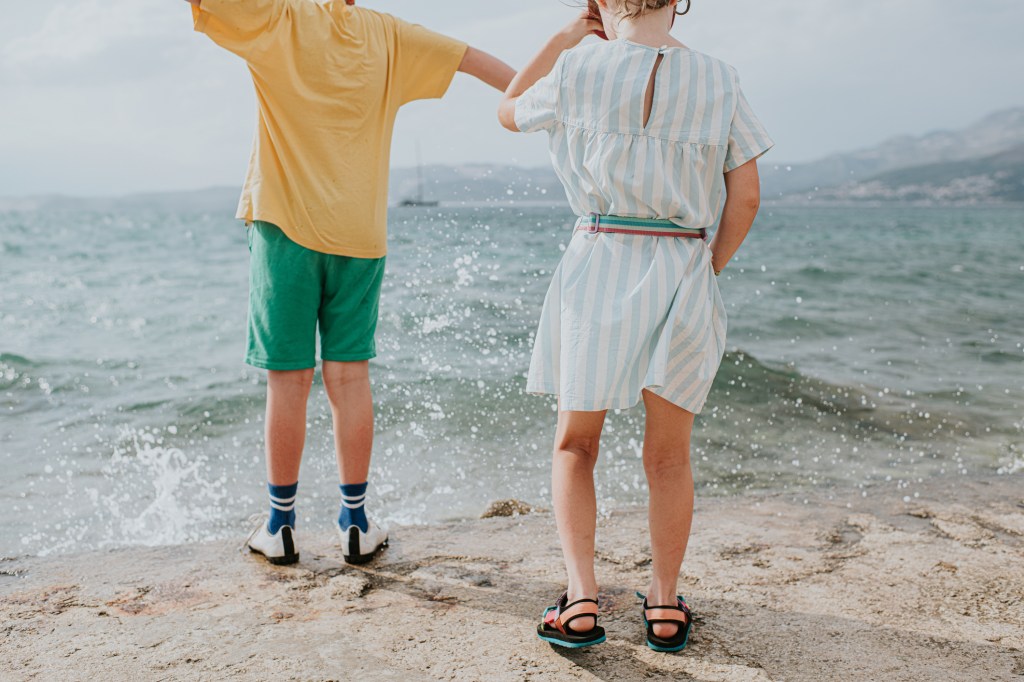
x=162 y=496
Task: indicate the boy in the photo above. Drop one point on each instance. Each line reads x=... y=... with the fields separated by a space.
x=329 y=78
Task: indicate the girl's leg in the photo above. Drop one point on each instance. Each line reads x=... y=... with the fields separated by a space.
x=575 y=502
x=670 y=479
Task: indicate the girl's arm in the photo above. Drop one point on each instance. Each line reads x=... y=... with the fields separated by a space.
x=540 y=66
x=743 y=199
x=487 y=68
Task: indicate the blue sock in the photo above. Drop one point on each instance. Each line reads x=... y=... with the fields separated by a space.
x=353 y=497
x=282 y=506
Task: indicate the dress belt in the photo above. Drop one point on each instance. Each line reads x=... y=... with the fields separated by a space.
x=650 y=227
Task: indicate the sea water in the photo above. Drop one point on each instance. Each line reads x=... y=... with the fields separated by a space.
x=869 y=348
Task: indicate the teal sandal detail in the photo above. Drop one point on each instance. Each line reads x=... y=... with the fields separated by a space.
x=555 y=629
x=676 y=642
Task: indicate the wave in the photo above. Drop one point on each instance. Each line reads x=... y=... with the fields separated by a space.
x=783 y=395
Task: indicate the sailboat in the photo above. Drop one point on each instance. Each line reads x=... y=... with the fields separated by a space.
x=419 y=200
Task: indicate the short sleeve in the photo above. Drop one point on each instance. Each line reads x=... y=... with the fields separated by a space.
x=244 y=27
x=425 y=61
x=537 y=108
x=747 y=137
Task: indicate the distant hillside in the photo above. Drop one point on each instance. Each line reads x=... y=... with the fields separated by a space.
x=479 y=183
x=474 y=183
x=992 y=135
x=996 y=178
x=212 y=200
x=983 y=163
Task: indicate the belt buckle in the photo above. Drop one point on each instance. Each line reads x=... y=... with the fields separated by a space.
x=594 y=226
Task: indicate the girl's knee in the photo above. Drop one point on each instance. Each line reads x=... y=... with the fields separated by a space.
x=584 y=447
x=661 y=460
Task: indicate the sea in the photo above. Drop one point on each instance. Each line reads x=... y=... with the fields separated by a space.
x=870 y=348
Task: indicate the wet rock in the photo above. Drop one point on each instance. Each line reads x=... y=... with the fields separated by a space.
x=503 y=508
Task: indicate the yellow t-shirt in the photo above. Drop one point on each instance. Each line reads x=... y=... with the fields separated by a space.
x=329 y=80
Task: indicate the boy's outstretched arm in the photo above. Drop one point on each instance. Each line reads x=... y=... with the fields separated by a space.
x=485 y=67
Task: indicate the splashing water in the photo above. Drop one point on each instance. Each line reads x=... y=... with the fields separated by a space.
x=183 y=500
x=128 y=417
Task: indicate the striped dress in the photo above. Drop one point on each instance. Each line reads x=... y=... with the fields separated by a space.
x=626 y=313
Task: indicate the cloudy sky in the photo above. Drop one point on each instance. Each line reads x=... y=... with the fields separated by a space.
x=102 y=97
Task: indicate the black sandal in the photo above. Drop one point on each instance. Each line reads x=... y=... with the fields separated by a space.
x=676 y=642
x=556 y=631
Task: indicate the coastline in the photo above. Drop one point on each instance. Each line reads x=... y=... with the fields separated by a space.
x=842 y=586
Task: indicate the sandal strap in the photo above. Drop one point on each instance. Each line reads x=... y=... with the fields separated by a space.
x=565 y=623
x=560 y=611
x=680 y=605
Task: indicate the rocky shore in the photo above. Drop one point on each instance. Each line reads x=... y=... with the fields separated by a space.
x=835 y=586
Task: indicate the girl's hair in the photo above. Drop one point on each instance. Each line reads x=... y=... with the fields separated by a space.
x=636 y=8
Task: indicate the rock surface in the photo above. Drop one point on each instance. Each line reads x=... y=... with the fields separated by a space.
x=837 y=587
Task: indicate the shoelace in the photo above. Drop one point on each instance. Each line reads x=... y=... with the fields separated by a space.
x=257 y=521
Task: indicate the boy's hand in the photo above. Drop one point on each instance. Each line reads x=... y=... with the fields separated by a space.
x=579 y=28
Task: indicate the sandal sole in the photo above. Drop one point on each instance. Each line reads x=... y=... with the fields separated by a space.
x=666 y=650
x=572 y=645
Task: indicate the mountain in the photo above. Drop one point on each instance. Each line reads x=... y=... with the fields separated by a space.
x=211 y=200
x=988 y=137
x=982 y=163
x=996 y=178
x=477 y=183
x=471 y=183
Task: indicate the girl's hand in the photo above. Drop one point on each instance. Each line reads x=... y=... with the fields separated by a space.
x=595 y=13
x=569 y=37
x=578 y=29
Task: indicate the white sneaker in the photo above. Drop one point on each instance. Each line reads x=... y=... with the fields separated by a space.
x=279 y=548
x=358 y=547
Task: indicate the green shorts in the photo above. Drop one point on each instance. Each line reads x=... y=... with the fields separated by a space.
x=292 y=288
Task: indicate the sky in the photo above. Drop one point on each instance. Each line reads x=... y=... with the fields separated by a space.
x=109 y=97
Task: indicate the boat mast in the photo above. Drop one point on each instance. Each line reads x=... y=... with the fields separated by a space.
x=419 y=173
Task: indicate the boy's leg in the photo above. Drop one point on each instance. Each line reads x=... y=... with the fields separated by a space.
x=670 y=479
x=284 y=302
x=287 y=394
x=572 y=485
x=348 y=389
x=348 y=326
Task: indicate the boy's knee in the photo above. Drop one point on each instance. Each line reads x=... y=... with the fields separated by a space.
x=342 y=373
x=297 y=377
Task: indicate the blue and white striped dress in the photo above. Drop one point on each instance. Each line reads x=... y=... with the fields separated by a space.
x=626 y=313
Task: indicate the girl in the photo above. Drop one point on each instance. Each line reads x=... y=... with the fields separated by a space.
x=653 y=142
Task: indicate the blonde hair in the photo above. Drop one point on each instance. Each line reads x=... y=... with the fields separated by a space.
x=636 y=8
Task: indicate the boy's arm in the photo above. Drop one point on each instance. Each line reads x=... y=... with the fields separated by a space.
x=487 y=68
x=541 y=65
x=244 y=27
